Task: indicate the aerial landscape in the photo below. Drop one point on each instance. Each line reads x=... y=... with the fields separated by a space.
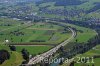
x=49 y=32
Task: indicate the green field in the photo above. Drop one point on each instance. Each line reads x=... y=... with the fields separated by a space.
x=38 y=30
x=15 y=32
x=34 y=49
x=15 y=57
x=39 y=37
x=85 y=35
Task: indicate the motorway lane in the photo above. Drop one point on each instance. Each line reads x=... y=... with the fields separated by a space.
x=40 y=57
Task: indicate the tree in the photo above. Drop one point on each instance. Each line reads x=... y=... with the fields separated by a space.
x=62 y=49
x=92 y=64
x=25 y=54
x=4 y=55
x=12 y=48
x=72 y=64
x=21 y=40
x=76 y=40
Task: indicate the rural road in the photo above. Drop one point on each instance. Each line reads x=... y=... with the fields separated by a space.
x=40 y=57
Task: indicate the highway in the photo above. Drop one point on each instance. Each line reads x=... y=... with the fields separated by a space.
x=40 y=57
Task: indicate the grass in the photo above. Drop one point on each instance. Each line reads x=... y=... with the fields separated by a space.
x=34 y=32
x=81 y=37
x=34 y=49
x=86 y=35
x=37 y=34
x=43 y=31
x=51 y=15
x=86 y=6
x=15 y=59
x=93 y=14
x=4 y=47
x=61 y=38
x=46 y=4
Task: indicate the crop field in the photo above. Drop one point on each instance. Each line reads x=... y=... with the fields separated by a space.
x=83 y=34
x=86 y=35
x=35 y=50
x=18 y=32
x=31 y=32
x=30 y=29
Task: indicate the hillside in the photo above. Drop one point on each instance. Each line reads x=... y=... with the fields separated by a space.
x=64 y=2
x=79 y=10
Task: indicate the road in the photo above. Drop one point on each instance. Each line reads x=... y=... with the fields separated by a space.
x=40 y=57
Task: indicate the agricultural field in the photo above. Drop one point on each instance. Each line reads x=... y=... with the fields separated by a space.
x=31 y=32
x=27 y=29
x=83 y=34
x=35 y=32
x=35 y=50
x=17 y=32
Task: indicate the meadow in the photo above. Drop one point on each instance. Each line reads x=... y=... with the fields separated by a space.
x=85 y=35
x=40 y=31
x=26 y=32
x=31 y=32
x=15 y=57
